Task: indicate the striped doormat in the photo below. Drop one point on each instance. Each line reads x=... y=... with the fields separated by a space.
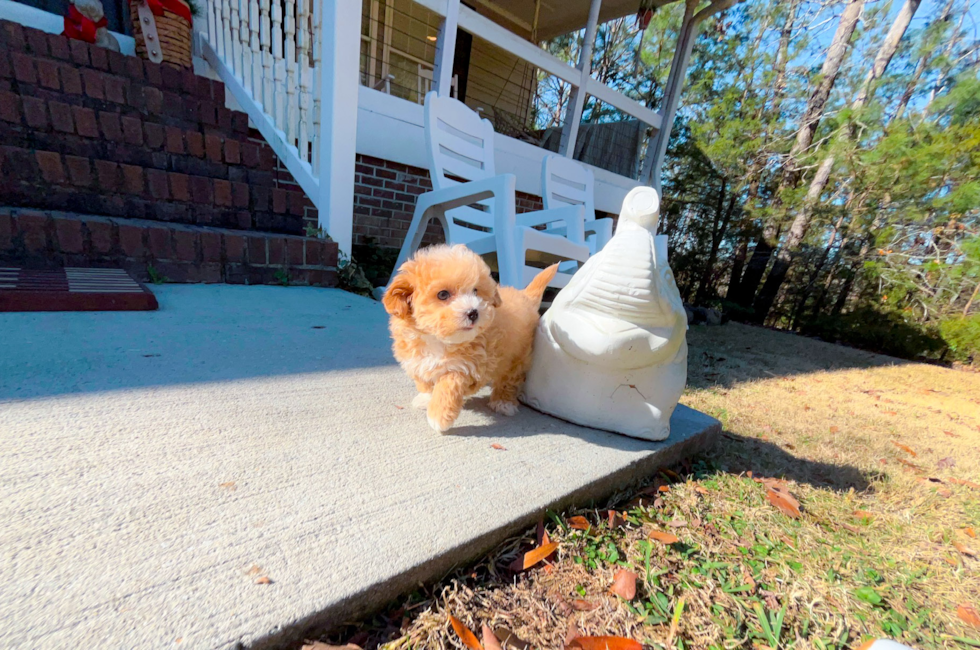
x=72 y=289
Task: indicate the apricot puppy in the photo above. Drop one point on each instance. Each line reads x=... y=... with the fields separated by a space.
x=455 y=331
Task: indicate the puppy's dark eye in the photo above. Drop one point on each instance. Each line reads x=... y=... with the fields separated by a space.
x=443 y=295
x=474 y=291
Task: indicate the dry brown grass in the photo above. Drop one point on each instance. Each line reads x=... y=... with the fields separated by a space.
x=849 y=431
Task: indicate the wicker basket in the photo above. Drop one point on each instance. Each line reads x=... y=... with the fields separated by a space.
x=174 y=32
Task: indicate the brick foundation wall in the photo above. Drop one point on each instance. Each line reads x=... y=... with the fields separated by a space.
x=87 y=130
x=179 y=252
x=385 y=194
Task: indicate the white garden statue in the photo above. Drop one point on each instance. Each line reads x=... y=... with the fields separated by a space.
x=611 y=353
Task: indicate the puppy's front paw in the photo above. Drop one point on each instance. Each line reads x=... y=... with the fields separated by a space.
x=421 y=401
x=440 y=425
x=504 y=408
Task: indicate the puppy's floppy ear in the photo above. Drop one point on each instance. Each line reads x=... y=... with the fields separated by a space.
x=398 y=298
x=496 y=297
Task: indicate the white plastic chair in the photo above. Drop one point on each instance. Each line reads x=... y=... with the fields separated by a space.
x=479 y=211
x=567 y=182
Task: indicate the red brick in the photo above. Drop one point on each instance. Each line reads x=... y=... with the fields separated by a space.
x=172 y=77
x=294 y=251
x=132 y=130
x=93 y=82
x=70 y=238
x=6 y=71
x=6 y=231
x=201 y=189
x=24 y=70
x=47 y=74
x=79 y=170
x=175 y=140
x=152 y=73
x=277 y=251
x=100 y=233
x=153 y=100
x=9 y=107
x=222 y=192
x=98 y=57
x=280 y=201
x=313 y=250
x=61 y=118
x=179 y=188
x=131 y=240
x=330 y=249
x=195 y=143
x=244 y=219
x=108 y=174
x=211 y=246
x=212 y=145
x=234 y=247
x=85 y=122
x=59 y=47
x=33 y=228
x=51 y=168
x=132 y=179
x=185 y=245
x=250 y=154
x=267 y=161
x=111 y=129
x=208 y=113
x=117 y=62
x=153 y=135
x=79 y=51
x=239 y=195
x=297 y=203
x=233 y=155
x=37 y=42
x=256 y=250
x=159 y=239
x=156 y=180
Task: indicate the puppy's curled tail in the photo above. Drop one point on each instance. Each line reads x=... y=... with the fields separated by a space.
x=535 y=290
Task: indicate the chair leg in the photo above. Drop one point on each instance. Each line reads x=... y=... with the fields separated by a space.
x=510 y=242
x=416 y=231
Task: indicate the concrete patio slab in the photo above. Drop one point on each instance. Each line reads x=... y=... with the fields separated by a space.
x=154 y=464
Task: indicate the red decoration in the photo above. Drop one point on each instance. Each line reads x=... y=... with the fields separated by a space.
x=173 y=6
x=643 y=17
x=80 y=27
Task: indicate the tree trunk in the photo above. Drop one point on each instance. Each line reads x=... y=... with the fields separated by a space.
x=803 y=218
x=804 y=138
x=737 y=265
x=717 y=234
x=817 y=268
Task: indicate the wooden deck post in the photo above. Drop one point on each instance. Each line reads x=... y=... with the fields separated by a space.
x=573 y=114
x=446 y=49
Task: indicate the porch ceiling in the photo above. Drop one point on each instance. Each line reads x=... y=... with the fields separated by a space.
x=555 y=17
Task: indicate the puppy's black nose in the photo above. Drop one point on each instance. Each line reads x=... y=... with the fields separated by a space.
x=473 y=315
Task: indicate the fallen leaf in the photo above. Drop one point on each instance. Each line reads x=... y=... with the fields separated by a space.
x=663 y=488
x=964 y=549
x=951 y=434
x=959 y=481
x=890 y=412
x=944 y=492
x=951 y=562
x=677 y=523
x=255 y=568
x=498 y=446
x=968 y=614
x=785 y=502
x=263 y=580
x=946 y=463
x=320 y=645
x=534 y=556
x=571 y=632
x=468 y=638
x=664 y=538
x=970 y=532
x=834 y=429
x=614 y=520
x=910 y=464
x=400 y=408
x=701 y=490
x=604 y=643
x=905 y=448
x=853 y=529
x=579 y=523
x=510 y=640
x=671 y=474
x=580 y=605
x=624 y=584
x=230 y=486
x=749 y=473
x=490 y=641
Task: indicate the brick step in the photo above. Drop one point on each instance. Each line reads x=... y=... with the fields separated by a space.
x=181 y=253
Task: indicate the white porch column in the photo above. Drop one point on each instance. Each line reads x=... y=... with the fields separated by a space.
x=573 y=113
x=340 y=38
x=446 y=49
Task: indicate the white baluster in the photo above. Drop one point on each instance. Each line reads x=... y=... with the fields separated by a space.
x=246 y=51
x=303 y=56
x=209 y=9
x=228 y=31
x=291 y=108
x=279 y=65
x=317 y=53
x=256 y=52
x=266 y=42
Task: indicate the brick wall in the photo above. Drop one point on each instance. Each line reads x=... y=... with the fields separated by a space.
x=385 y=194
x=91 y=131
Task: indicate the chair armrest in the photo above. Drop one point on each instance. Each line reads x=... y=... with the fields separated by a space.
x=572 y=215
x=467 y=193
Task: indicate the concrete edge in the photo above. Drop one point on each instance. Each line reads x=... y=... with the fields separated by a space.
x=374 y=597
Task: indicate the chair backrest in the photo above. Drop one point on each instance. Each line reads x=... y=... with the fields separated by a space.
x=459 y=144
x=566 y=182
